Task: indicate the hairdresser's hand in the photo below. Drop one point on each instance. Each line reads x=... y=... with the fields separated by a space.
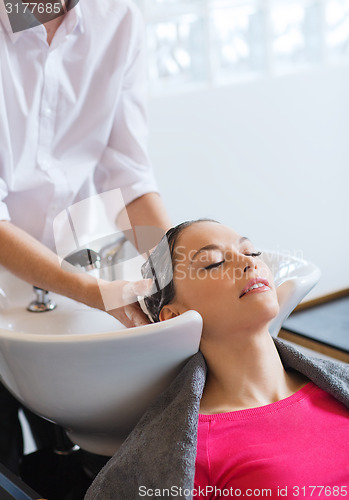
x=120 y=300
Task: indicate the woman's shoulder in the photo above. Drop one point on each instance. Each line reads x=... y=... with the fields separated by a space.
x=330 y=375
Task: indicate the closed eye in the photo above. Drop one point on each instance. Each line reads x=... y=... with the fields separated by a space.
x=216 y=264
x=253 y=254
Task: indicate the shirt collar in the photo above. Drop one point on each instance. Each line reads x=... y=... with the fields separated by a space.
x=73 y=19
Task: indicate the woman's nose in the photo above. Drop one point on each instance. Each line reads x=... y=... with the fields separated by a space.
x=252 y=264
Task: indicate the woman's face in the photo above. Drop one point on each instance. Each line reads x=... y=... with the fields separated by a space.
x=215 y=270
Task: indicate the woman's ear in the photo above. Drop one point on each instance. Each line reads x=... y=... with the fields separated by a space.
x=167 y=312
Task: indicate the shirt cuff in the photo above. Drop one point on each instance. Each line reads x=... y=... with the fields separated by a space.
x=134 y=191
x=134 y=178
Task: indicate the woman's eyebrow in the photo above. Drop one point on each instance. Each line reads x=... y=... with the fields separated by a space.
x=206 y=247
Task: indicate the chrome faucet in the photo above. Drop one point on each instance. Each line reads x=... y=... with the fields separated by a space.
x=104 y=260
x=42 y=303
x=85 y=260
x=111 y=254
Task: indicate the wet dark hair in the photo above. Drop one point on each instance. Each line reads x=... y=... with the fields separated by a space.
x=160 y=266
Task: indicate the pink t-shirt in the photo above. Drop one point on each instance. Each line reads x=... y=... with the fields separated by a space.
x=297 y=447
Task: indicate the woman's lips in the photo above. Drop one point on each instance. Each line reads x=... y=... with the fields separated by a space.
x=255 y=285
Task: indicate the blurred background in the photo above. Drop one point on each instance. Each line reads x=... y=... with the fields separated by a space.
x=249 y=121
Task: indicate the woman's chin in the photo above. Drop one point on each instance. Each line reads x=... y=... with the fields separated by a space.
x=272 y=311
x=267 y=313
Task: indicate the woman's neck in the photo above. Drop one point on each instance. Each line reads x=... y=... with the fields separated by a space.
x=245 y=372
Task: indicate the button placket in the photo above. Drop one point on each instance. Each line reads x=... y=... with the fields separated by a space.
x=47 y=115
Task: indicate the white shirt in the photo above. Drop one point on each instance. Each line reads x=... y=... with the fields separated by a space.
x=72 y=117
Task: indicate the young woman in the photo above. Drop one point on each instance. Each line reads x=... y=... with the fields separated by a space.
x=260 y=426
x=262 y=419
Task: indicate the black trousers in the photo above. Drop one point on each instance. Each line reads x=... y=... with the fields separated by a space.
x=54 y=476
x=11 y=438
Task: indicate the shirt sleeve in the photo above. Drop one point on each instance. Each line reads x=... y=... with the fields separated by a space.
x=4 y=213
x=125 y=163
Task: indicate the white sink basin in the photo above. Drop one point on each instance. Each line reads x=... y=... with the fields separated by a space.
x=82 y=369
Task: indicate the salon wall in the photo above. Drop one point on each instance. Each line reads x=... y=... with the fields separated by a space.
x=268 y=157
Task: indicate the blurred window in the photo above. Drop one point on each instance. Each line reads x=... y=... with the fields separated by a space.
x=201 y=43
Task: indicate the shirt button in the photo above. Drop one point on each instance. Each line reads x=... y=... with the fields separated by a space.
x=48 y=112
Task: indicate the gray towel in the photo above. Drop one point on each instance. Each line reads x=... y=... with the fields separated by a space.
x=160 y=452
